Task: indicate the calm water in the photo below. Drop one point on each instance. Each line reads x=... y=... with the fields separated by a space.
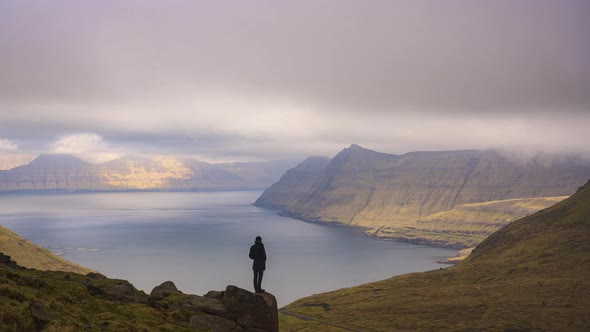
x=201 y=241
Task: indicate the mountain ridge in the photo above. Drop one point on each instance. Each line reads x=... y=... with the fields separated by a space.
x=362 y=187
x=65 y=172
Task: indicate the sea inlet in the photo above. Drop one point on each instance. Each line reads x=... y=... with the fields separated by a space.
x=200 y=241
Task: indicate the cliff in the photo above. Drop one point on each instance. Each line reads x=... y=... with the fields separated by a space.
x=32 y=300
x=152 y=173
x=532 y=275
x=366 y=188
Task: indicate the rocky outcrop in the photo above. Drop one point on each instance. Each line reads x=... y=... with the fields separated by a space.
x=33 y=300
x=234 y=309
x=152 y=173
x=366 y=188
x=7 y=261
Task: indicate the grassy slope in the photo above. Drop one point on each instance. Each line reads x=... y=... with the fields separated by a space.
x=533 y=274
x=30 y=255
x=67 y=296
x=468 y=224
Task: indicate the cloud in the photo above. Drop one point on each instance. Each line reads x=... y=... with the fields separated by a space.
x=268 y=79
x=7 y=146
x=87 y=146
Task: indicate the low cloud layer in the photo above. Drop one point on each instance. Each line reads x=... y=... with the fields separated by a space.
x=235 y=80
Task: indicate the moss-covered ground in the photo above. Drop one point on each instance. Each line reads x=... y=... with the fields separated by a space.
x=69 y=300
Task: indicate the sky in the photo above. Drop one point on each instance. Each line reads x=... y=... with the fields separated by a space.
x=260 y=80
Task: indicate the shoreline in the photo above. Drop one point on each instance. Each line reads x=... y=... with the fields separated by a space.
x=363 y=230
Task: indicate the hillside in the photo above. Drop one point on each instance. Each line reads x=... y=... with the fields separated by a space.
x=30 y=255
x=32 y=300
x=365 y=188
x=532 y=275
x=154 y=173
x=467 y=224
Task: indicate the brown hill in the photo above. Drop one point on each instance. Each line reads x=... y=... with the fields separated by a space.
x=366 y=188
x=532 y=275
x=30 y=255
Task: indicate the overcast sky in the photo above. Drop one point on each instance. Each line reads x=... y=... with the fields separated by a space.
x=257 y=80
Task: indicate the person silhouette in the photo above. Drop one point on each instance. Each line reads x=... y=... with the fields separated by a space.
x=258 y=254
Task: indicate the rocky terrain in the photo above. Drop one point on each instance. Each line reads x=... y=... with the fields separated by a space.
x=531 y=275
x=153 y=173
x=33 y=300
x=403 y=196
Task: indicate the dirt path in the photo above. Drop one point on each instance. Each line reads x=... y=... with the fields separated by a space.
x=309 y=318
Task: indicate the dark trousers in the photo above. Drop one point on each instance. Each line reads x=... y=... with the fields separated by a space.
x=258 y=279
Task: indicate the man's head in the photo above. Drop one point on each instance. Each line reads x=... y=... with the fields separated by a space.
x=258 y=239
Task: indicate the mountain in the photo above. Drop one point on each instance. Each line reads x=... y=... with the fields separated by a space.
x=30 y=255
x=294 y=183
x=531 y=275
x=260 y=174
x=389 y=194
x=153 y=173
x=8 y=161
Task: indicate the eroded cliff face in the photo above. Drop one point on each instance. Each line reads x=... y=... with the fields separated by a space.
x=367 y=188
x=159 y=173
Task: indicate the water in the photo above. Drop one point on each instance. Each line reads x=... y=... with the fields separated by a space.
x=201 y=242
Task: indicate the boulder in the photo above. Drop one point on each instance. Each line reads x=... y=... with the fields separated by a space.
x=211 y=323
x=96 y=276
x=122 y=291
x=206 y=305
x=162 y=291
x=233 y=309
x=7 y=260
x=251 y=311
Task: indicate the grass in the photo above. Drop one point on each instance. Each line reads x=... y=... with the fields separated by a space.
x=30 y=255
x=465 y=225
x=532 y=275
x=67 y=296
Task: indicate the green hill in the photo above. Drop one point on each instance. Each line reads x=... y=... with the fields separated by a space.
x=30 y=255
x=366 y=188
x=532 y=275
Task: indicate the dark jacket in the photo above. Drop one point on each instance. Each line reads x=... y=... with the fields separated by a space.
x=258 y=254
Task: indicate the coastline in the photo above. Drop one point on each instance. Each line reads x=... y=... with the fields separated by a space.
x=366 y=231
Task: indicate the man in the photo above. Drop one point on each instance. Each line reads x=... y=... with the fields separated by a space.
x=258 y=254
